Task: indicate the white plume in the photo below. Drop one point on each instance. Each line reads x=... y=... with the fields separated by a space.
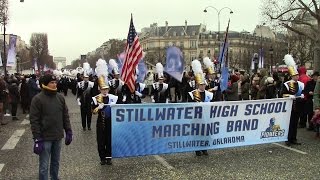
x=86 y=68
x=207 y=62
x=159 y=69
x=288 y=59
x=102 y=68
x=57 y=73
x=196 y=66
x=113 y=64
x=79 y=70
x=74 y=72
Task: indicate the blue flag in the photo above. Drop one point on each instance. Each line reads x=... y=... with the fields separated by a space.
x=224 y=78
x=174 y=63
x=223 y=62
x=142 y=71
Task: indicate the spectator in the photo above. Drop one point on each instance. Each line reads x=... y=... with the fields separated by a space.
x=245 y=86
x=308 y=95
x=24 y=95
x=14 y=97
x=33 y=87
x=3 y=95
x=232 y=91
x=255 y=86
x=48 y=118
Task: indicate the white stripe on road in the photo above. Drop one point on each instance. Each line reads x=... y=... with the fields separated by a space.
x=14 y=139
x=290 y=148
x=1 y=167
x=163 y=162
x=25 y=121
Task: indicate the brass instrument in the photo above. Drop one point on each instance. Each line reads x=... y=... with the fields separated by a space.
x=99 y=99
x=196 y=96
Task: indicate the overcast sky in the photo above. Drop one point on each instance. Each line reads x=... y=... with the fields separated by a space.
x=76 y=27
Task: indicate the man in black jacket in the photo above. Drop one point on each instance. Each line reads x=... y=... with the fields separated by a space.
x=308 y=94
x=49 y=119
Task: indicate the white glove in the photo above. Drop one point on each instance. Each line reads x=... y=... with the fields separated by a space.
x=302 y=96
x=124 y=99
x=167 y=100
x=292 y=96
x=79 y=103
x=215 y=88
x=101 y=105
x=137 y=93
x=152 y=99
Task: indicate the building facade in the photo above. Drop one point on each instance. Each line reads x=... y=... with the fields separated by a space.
x=196 y=42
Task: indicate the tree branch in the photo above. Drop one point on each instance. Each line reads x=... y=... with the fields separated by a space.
x=308 y=9
x=297 y=31
x=315 y=5
x=283 y=13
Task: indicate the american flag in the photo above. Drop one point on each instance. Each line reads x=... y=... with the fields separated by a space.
x=133 y=55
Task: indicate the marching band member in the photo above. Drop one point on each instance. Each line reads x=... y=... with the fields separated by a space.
x=213 y=83
x=116 y=84
x=84 y=96
x=101 y=106
x=200 y=94
x=293 y=89
x=133 y=97
x=160 y=92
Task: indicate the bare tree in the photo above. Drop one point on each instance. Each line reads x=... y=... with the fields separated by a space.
x=25 y=58
x=301 y=47
x=39 y=47
x=3 y=12
x=299 y=16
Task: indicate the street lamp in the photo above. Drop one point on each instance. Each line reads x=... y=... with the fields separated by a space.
x=218 y=11
x=255 y=62
x=271 y=58
x=18 y=63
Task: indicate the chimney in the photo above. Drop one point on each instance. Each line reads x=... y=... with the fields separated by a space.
x=166 y=26
x=185 y=25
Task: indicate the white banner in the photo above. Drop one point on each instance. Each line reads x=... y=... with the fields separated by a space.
x=11 y=60
x=169 y=128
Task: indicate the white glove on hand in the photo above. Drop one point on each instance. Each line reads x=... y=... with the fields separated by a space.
x=79 y=103
x=100 y=106
x=137 y=93
x=292 y=96
x=302 y=96
x=167 y=100
x=152 y=99
x=215 y=88
x=124 y=99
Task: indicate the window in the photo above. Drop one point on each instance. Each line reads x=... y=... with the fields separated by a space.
x=193 y=44
x=174 y=33
x=182 y=44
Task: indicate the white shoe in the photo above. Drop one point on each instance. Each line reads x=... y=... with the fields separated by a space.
x=7 y=114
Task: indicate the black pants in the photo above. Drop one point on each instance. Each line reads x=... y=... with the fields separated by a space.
x=86 y=115
x=104 y=138
x=292 y=135
x=14 y=107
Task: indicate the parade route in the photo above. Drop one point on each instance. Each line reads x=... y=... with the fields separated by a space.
x=80 y=160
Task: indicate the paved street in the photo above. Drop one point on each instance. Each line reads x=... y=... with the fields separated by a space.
x=80 y=160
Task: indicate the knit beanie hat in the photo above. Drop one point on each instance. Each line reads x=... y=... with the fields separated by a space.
x=48 y=78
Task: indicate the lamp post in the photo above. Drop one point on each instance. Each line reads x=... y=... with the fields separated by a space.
x=218 y=12
x=271 y=58
x=4 y=23
x=18 y=63
x=256 y=62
